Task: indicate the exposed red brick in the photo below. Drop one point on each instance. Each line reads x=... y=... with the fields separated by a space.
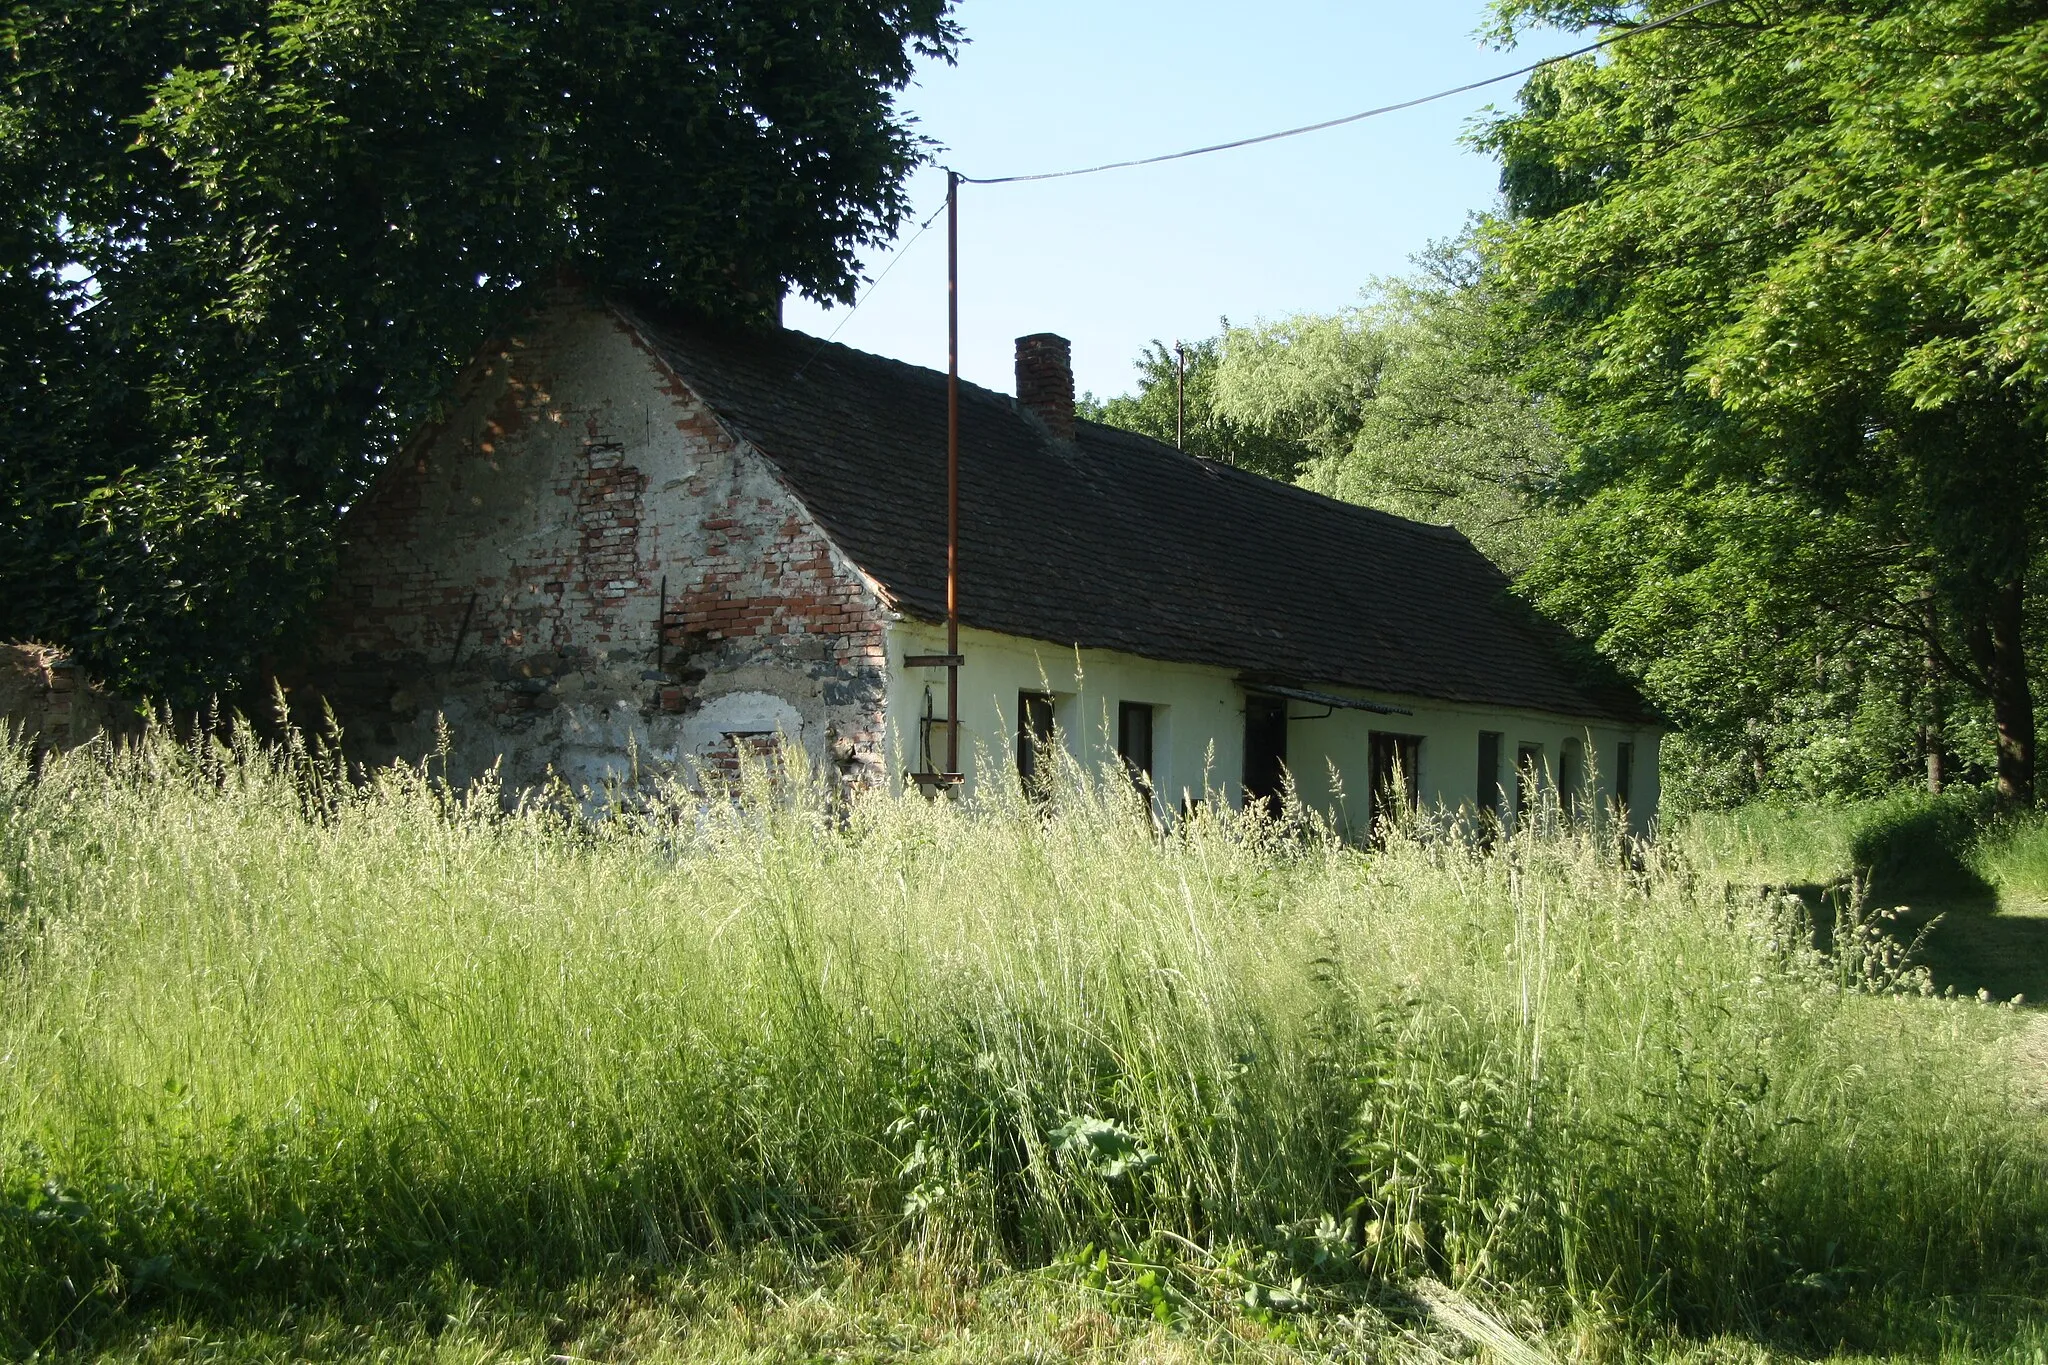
x=748 y=577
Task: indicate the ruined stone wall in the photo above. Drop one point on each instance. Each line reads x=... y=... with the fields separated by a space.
x=46 y=701
x=508 y=574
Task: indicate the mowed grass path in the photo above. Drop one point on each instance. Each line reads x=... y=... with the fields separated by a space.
x=1971 y=891
x=1994 y=941
x=290 y=1067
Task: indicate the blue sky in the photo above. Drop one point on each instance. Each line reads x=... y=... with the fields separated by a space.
x=1112 y=261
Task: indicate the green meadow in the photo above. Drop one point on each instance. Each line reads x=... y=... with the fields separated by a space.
x=295 y=1068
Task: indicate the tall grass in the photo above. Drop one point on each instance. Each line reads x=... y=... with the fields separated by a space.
x=1767 y=843
x=1908 y=840
x=2013 y=856
x=265 y=1034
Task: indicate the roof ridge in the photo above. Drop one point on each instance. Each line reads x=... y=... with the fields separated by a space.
x=662 y=317
x=1267 y=481
x=1117 y=540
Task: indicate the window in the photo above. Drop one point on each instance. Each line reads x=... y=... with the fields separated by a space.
x=1489 y=774
x=1395 y=761
x=1134 y=740
x=1571 y=778
x=1528 y=782
x=1034 y=740
x=1624 y=778
x=1265 y=750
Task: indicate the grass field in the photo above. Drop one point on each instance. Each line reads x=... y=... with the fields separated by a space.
x=1972 y=889
x=290 y=1069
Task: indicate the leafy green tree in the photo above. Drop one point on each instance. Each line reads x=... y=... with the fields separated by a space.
x=1791 y=255
x=1397 y=403
x=1170 y=406
x=248 y=242
x=1407 y=408
x=1707 y=596
x=1312 y=377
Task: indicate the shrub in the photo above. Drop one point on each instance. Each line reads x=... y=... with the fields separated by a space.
x=1911 y=840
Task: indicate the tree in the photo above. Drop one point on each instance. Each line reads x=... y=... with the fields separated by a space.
x=1407 y=407
x=249 y=242
x=1398 y=403
x=1172 y=403
x=1790 y=255
x=1706 y=595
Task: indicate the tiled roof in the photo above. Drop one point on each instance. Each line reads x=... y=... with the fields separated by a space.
x=1117 y=541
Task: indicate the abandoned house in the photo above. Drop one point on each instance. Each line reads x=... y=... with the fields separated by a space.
x=642 y=545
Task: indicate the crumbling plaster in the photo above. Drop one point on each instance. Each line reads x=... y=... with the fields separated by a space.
x=506 y=576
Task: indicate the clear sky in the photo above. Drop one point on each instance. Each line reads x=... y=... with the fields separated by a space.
x=1112 y=261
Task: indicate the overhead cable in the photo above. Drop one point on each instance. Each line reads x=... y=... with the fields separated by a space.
x=873 y=284
x=1608 y=41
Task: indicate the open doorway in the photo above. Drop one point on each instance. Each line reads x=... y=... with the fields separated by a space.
x=1134 y=741
x=1571 y=780
x=1529 y=767
x=1488 y=793
x=1035 y=738
x=1395 y=763
x=1265 y=751
x=1624 y=780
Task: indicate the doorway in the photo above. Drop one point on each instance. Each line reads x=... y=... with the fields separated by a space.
x=1395 y=762
x=1529 y=767
x=1265 y=751
x=1134 y=741
x=1035 y=740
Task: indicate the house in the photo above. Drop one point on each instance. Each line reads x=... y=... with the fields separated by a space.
x=641 y=544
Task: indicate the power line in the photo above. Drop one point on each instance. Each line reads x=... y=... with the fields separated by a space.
x=873 y=285
x=904 y=250
x=1609 y=41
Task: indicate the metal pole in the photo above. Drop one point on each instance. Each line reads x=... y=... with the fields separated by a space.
x=953 y=472
x=1180 y=406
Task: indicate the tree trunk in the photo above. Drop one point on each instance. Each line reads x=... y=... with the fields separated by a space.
x=1933 y=724
x=1931 y=743
x=1937 y=760
x=2001 y=651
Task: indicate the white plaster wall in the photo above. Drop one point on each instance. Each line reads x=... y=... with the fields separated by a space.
x=1197 y=707
x=1199 y=730
x=1329 y=755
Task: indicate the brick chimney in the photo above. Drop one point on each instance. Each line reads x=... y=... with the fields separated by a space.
x=1045 y=381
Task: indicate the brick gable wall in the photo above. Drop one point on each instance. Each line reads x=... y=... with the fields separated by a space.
x=508 y=574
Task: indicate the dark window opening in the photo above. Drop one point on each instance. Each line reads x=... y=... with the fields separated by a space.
x=1034 y=741
x=1395 y=762
x=1528 y=782
x=1624 y=777
x=1488 y=788
x=1571 y=779
x=1265 y=751
x=1134 y=740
